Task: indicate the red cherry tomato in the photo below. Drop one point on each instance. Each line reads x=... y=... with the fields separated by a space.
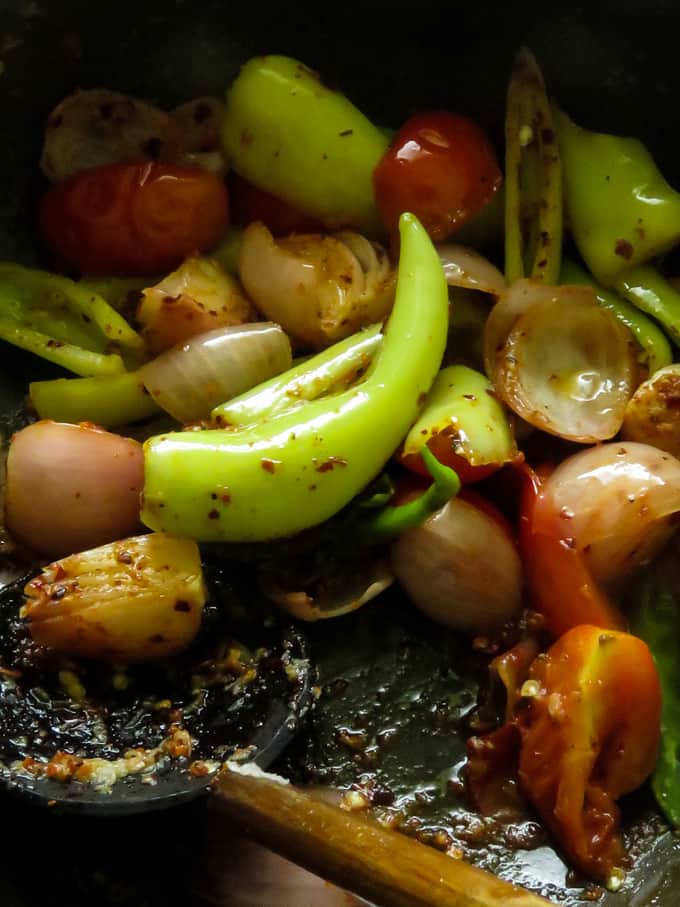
x=588 y=735
x=440 y=167
x=249 y=203
x=135 y=218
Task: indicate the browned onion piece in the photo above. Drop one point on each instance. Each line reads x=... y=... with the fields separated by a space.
x=463 y=267
x=319 y=288
x=200 y=122
x=653 y=412
x=139 y=599
x=72 y=487
x=196 y=298
x=618 y=502
x=560 y=361
x=95 y=127
x=461 y=568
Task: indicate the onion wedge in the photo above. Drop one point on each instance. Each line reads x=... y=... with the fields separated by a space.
x=320 y=289
x=469 y=270
x=560 y=361
x=192 y=378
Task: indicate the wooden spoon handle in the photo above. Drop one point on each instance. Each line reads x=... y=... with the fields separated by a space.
x=379 y=864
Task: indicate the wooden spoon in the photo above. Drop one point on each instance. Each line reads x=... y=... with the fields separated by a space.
x=357 y=854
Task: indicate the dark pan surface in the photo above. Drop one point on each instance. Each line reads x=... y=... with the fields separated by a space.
x=610 y=64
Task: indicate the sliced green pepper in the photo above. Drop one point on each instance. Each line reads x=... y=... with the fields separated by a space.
x=462 y=403
x=334 y=368
x=63 y=322
x=533 y=180
x=652 y=293
x=118 y=291
x=288 y=133
x=106 y=400
x=621 y=210
x=656 y=350
x=297 y=470
x=72 y=358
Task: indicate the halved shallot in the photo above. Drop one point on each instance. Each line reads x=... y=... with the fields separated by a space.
x=320 y=289
x=560 y=361
x=461 y=568
x=192 y=378
x=616 y=504
x=71 y=487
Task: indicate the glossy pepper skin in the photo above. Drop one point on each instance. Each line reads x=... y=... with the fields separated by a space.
x=295 y=471
x=655 y=350
x=289 y=134
x=64 y=322
x=621 y=209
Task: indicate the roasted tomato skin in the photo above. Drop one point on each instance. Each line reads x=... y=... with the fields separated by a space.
x=560 y=584
x=133 y=218
x=589 y=734
x=441 y=167
x=442 y=447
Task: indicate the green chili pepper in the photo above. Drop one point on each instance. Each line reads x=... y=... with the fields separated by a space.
x=335 y=368
x=297 y=470
x=63 y=322
x=533 y=180
x=655 y=617
x=390 y=522
x=652 y=293
x=122 y=293
x=655 y=348
x=288 y=133
x=73 y=358
x=621 y=210
x=462 y=403
x=106 y=400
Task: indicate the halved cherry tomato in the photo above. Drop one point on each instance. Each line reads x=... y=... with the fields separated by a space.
x=560 y=584
x=250 y=203
x=441 y=167
x=134 y=218
x=589 y=735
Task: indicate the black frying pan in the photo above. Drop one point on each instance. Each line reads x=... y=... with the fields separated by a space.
x=612 y=65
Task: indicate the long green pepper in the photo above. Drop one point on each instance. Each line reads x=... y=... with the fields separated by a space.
x=622 y=213
x=296 y=470
x=655 y=349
